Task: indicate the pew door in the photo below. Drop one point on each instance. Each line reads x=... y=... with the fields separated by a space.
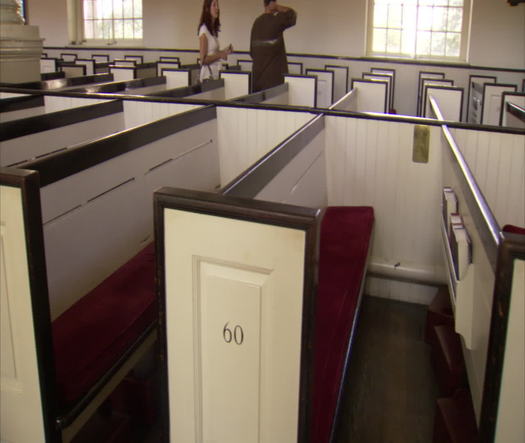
x=24 y=323
x=234 y=327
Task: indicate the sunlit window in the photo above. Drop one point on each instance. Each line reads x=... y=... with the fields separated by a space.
x=418 y=28
x=112 y=19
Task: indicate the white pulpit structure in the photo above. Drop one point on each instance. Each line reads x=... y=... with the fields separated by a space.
x=20 y=46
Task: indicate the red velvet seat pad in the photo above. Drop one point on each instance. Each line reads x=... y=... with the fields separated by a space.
x=94 y=333
x=345 y=239
x=514 y=229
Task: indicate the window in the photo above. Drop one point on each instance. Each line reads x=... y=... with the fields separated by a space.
x=112 y=19
x=419 y=28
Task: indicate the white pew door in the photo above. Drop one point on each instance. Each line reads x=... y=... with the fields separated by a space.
x=25 y=414
x=234 y=321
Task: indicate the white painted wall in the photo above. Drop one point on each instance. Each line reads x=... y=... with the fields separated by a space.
x=497 y=38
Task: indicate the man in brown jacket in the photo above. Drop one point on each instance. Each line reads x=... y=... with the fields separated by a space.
x=267 y=45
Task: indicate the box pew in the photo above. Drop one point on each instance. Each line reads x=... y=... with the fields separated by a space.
x=513 y=110
x=371 y=95
x=426 y=82
x=48 y=65
x=341 y=74
x=381 y=77
x=90 y=65
x=13 y=106
x=139 y=86
x=72 y=69
x=392 y=73
x=295 y=68
x=68 y=57
x=346 y=103
x=80 y=290
x=130 y=70
x=255 y=309
x=62 y=84
x=246 y=65
x=325 y=86
x=475 y=96
x=139 y=59
x=475 y=288
x=167 y=64
x=450 y=101
x=491 y=101
x=38 y=136
x=422 y=75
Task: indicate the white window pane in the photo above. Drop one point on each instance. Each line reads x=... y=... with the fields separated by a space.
x=426 y=2
x=453 y=44
x=88 y=29
x=438 y=43
x=455 y=16
x=394 y=42
x=394 y=16
x=127 y=8
x=137 y=28
x=423 y=43
x=137 y=7
x=379 y=40
x=128 y=28
x=380 y=16
x=456 y=3
x=98 y=31
x=117 y=8
x=88 y=9
x=425 y=18
x=118 y=28
x=107 y=9
x=440 y=2
x=439 y=22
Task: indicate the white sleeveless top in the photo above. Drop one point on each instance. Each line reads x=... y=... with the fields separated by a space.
x=211 y=70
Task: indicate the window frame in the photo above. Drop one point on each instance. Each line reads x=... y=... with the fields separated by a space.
x=463 y=49
x=78 y=34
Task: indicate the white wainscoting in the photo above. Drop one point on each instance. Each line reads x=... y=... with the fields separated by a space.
x=244 y=389
x=56 y=103
x=21 y=417
x=303 y=181
x=31 y=146
x=139 y=113
x=301 y=90
x=108 y=218
x=236 y=84
x=369 y=163
x=245 y=135
x=497 y=161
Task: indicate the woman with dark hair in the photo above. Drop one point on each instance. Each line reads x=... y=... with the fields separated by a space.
x=210 y=54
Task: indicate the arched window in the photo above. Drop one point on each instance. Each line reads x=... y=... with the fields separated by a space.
x=419 y=29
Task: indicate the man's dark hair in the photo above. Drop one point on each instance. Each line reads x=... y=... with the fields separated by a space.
x=267 y=2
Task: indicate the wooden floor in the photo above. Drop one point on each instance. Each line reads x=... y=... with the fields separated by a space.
x=391 y=392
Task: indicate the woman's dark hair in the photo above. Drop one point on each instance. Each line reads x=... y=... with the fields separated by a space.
x=267 y=2
x=213 y=26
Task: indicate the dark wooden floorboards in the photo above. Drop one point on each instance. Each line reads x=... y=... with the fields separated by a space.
x=391 y=393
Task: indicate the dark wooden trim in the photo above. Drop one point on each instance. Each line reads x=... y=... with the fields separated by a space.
x=106 y=56
x=119 y=86
x=452 y=88
x=513 y=108
x=60 y=83
x=18 y=103
x=346 y=68
x=256 y=177
x=469 y=98
x=166 y=58
x=74 y=64
x=487 y=85
x=73 y=54
x=295 y=217
x=28 y=182
x=512 y=248
x=457 y=65
x=139 y=58
x=364 y=80
x=333 y=81
x=57 y=166
x=265 y=94
x=45 y=122
x=44 y=76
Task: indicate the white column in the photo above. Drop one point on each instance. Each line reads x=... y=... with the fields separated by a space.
x=20 y=46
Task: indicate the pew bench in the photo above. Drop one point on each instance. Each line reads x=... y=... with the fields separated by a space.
x=93 y=338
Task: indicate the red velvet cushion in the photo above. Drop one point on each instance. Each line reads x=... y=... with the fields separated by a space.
x=514 y=229
x=345 y=238
x=90 y=336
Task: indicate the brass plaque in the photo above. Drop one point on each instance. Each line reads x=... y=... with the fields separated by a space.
x=420 y=148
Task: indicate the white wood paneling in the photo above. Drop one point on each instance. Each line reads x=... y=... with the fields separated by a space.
x=236 y=84
x=57 y=103
x=497 y=161
x=371 y=95
x=176 y=79
x=139 y=113
x=303 y=181
x=369 y=162
x=116 y=198
x=510 y=426
x=221 y=390
x=450 y=102
x=301 y=90
x=325 y=87
x=245 y=135
x=492 y=102
x=20 y=402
